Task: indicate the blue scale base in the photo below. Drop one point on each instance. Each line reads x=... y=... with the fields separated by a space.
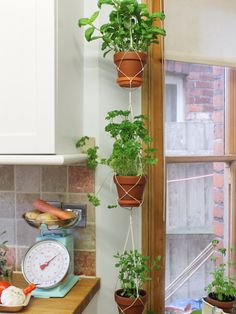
x=56 y=292
x=64 y=287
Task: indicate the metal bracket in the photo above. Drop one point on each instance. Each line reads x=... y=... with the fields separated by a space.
x=80 y=208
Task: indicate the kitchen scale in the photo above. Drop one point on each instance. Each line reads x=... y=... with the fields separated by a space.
x=49 y=262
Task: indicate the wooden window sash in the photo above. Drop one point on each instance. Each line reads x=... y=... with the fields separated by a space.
x=193 y=159
x=230 y=136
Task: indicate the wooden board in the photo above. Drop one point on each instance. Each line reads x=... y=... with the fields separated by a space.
x=73 y=303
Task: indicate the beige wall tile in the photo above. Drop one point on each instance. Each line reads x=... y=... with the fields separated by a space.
x=9 y=226
x=7 y=205
x=85 y=237
x=20 y=253
x=7 y=178
x=25 y=234
x=24 y=202
x=61 y=197
x=54 y=179
x=27 y=178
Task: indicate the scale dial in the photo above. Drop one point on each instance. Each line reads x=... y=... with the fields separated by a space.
x=46 y=263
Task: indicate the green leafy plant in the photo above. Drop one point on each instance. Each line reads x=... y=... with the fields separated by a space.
x=134 y=271
x=222 y=286
x=130 y=26
x=129 y=157
x=3 y=257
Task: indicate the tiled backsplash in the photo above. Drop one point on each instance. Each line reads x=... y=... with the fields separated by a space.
x=21 y=185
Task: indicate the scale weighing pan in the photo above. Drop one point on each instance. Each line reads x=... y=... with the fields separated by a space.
x=57 y=223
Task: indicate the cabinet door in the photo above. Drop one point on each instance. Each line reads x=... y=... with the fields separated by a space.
x=27 y=76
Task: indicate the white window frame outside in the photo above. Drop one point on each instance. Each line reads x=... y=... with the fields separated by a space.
x=179 y=82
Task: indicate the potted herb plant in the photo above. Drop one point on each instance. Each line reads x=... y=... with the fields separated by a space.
x=128 y=159
x=221 y=291
x=134 y=271
x=129 y=31
x=5 y=270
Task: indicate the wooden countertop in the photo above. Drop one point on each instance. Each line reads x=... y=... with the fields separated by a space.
x=73 y=303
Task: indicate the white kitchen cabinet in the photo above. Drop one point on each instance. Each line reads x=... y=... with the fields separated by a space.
x=41 y=76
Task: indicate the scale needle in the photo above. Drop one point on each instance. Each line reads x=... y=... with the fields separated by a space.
x=47 y=263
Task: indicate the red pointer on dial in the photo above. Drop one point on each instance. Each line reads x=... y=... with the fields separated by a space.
x=47 y=263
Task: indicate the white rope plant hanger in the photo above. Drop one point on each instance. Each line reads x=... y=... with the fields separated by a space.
x=131 y=79
x=130 y=232
x=130 y=108
x=127 y=192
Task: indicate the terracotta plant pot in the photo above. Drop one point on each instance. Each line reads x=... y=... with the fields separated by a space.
x=130 y=66
x=130 y=190
x=226 y=306
x=131 y=305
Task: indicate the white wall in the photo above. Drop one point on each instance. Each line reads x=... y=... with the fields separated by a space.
x=102 y=94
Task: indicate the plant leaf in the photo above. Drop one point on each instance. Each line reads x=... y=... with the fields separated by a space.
x=101 y=2
x=89 y=32
x=94 y=16
x=82 y=141
x=83 y=22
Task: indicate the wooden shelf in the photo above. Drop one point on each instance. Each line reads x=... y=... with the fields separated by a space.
x=73 y=303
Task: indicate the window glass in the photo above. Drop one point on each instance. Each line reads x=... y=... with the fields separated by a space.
x=197 y=192
x=194 y=109
x=195 y=216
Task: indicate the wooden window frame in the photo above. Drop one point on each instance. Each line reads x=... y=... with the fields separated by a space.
x=230 y=136
x=153 y=210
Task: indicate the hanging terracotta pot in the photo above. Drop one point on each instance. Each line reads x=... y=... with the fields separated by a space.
x=130 y=67
x=131 y=305
x=130 y=190
x=226 y=306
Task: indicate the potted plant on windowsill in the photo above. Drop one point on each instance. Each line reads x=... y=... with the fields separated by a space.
x=134 y=271
x=129 y=31
x=128 y=159
x=221 y=291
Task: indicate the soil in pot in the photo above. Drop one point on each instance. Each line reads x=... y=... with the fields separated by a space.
x=130 y=190
x=130 y=67
x=131 y=305
x=226 y=306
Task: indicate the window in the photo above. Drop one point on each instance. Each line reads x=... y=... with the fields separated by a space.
x=198 y=188
x=188 y=45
